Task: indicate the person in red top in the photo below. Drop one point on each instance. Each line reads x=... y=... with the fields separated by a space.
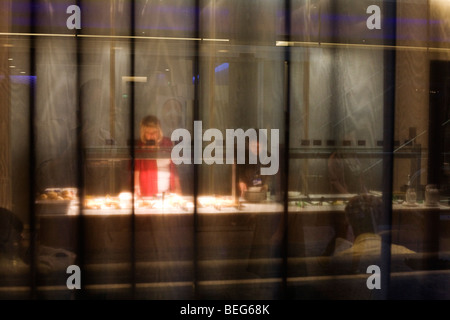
x=153 y=176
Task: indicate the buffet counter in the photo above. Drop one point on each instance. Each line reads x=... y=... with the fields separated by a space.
x=221 y=229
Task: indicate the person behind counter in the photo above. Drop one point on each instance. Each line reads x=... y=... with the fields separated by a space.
x=154 y=176
x=249 y=175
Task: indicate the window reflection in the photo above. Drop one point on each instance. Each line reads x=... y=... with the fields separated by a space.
x=88 y=112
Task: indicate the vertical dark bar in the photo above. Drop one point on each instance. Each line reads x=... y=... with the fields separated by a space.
x=80 y=160
x=438 y=70
x=196 y=116
x=32 y=139
x=389 y=32
x=285 y=178
x=132 y=151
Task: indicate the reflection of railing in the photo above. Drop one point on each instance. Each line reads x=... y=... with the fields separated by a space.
x=407 y=151
x=359 y=152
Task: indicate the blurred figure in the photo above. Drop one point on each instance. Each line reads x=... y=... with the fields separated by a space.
x=11 y=238
x=345 y=171
x=15 y=255
x=249 y=175
x=363 y=214
x=154 y=176
x=345 y=174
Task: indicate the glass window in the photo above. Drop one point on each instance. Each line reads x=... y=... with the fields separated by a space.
x=224 y=149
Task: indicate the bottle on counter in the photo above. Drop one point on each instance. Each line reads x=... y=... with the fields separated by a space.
x=268 y=195
x=410 y=195
x=431 y=195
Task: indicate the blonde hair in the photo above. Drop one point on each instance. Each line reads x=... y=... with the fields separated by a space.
x=150 y=122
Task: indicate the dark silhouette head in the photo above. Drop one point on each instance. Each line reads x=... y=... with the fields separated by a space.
x=363 y=213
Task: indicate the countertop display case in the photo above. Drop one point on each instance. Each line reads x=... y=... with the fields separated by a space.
x=114 y=163
x=171 y=237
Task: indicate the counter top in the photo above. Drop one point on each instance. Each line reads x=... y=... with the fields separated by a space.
x=265 y=207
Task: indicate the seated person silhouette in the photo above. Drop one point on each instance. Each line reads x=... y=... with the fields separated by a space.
x=12 y=252
x=363 y=213
x=15 y=255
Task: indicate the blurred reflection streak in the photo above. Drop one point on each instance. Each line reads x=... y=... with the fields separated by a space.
x=399 y=148
x=109 y=37
x=356 y=45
